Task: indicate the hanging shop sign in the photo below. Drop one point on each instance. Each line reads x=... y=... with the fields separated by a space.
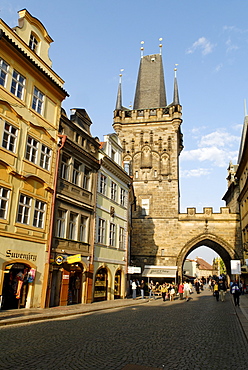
x=59 y=260
x=160 y=271
x=235 y=267
x=134 y=270
x=74 y=259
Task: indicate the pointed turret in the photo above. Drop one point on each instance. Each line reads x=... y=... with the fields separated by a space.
x=244 y=133
x=150 y=89
x=118 y=105
x=176 y=93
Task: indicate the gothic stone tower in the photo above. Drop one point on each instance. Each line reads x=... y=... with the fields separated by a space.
x=152 y=141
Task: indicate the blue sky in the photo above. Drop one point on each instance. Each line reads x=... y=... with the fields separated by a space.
x=94 y=39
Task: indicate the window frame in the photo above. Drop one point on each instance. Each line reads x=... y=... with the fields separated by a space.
x=61 y=223
x=24 y=209
x=72 y=226
x=39 y=213
x=113 y=191
x=3 y=72
x=45 y=157
x=112 y=234
x=121 y=237
x=123 y=197
x=11 y=137
x=38 y=99
x=101 y=231
x=19 y=85
x=103 y=184
x=32 y=154
x=4 y=202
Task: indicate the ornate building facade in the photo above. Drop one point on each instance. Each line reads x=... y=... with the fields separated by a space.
x=151 y=137
x=30 y=101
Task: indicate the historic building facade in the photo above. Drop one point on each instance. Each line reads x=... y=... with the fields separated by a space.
x=112 y=238
x=71 y=266
x=151 y=137
x=30 y=101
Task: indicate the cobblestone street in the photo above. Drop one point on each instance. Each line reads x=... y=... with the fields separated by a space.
x=199 y=334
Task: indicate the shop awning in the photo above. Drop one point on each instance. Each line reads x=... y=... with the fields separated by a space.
x=160 y=271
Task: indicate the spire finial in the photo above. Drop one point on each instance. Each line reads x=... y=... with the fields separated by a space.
x=160 y=45
x=245 y=107
x=142 y=48
x=120 y=75
x=175 y=70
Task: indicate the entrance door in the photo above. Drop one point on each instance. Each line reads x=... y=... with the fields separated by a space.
x=118 y=284
x=64 y=288
x=101 y=285
x=15 y=286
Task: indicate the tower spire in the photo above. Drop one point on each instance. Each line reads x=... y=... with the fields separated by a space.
x=119 y=94
x=176 y=93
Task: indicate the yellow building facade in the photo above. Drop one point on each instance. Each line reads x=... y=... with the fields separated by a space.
x=30 y=102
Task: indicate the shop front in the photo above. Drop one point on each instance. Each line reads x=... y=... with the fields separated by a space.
x=16 y=290
x=67 y=281
x=101 y=285
x=117 y=289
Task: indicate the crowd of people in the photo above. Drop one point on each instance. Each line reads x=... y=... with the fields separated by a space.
x=183 y=290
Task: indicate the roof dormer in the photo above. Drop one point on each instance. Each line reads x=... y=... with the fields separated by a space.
x=34 y=34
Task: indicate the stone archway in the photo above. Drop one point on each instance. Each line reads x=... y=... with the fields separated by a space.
x=220 y=246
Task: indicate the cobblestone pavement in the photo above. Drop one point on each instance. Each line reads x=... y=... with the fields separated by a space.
x=199 y=334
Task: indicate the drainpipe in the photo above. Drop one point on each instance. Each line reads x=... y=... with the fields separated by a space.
x=46 y=295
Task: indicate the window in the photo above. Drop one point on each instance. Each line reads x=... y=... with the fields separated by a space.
x=24 y=208
x=61 y=219
x=101 y=231
x=31 y=149
x=64 y=172
x=123 y=197
x=17 y=84
x=39 y=212
x=4 y=200
x=76 y=172
x=103 y=184
x=127 y=167
x=83 y=229
x=73 y=226
x=38 y=99
x=145 y=207
x=112 y=232
x=45 y=157
x=113 y=153
x=113 y=190
x=3 y=72
x=9 y=137
x=121 y=238
x=33 y=43
x=86 y=182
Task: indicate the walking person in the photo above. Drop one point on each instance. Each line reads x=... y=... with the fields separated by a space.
x=151 y=290
x=216 y=291
x=142 y=289
x=164 y=290
x=180 y=290
x=134 y=287
x=222 y=290
x=197 y=286
x=235 y=292
x=186 y=290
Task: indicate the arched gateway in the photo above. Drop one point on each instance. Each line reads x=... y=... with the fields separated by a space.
x=152 y=140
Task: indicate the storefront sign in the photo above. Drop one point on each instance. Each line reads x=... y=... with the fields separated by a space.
x=23 y=255
x=160 y=271
x=74 y=259
x=134 y=270
x=235 y=267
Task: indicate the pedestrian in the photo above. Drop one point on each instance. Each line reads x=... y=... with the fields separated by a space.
x=164 y=290
x=172 y=293
x=142 y=289
x=134 y=287
x=151 y=290
x=222 y=290
x=197 y=286
x=186 y=292
x=235 y=291
x=180 y=290
x=216 y=291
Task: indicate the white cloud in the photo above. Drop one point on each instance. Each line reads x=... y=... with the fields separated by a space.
x=218 y=67
x=203 y=44
x=231 y=46
x=194 y=172
x=218 y=139
x=219 y=157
